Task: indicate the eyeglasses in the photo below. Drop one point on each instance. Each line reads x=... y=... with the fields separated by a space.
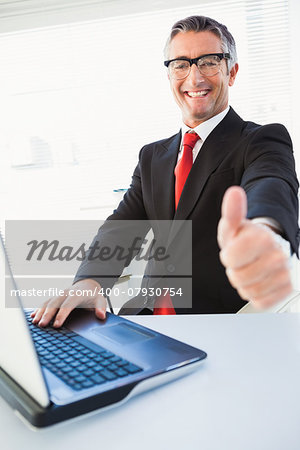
x=209 y=65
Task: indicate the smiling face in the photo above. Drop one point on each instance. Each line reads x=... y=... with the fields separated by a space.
x=200 y=97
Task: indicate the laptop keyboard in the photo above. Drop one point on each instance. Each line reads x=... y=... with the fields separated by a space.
x=77 y=361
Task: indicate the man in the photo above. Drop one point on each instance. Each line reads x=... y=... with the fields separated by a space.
x=226 y=153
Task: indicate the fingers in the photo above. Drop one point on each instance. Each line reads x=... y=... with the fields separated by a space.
x=233 y=214
x=256 y=265
x=44 y=315
x=260 y=271
x=70 y=303
x=248 y=245
x=270 y=284
x=272 y=297
x=100 y=307
x=65 y=309
x=87 y=296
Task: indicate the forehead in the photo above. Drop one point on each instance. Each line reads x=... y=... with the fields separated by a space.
x=192 y=44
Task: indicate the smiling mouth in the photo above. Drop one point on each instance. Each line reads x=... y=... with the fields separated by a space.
x=197 y=94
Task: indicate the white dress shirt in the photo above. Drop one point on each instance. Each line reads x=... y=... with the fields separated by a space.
x=203 y=130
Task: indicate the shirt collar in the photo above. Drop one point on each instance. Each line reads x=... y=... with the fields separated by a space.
x=205 y=128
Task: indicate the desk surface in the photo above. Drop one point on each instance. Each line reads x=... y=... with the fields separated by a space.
x=246 y=396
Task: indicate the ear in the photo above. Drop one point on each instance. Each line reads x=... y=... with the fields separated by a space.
x=232 y=74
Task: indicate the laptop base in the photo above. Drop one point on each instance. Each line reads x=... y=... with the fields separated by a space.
x=41 y=417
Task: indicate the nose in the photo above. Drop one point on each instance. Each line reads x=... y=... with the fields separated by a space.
x=195 y=76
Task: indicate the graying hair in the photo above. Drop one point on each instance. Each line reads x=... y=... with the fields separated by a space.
x=202 y=23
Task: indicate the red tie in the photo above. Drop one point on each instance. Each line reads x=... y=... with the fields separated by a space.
x=163 y=304
x=184 y=165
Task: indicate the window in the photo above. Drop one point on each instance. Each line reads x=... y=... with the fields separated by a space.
x=83 y=88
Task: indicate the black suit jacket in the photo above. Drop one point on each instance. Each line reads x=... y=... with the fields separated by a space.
x=258 y=158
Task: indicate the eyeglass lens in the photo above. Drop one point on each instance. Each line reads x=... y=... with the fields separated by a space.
x=208 y=66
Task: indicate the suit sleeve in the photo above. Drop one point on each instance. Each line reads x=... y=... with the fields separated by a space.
x=270 y=179
x=122 y=235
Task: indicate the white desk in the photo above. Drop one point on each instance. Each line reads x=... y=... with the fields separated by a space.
x=246 y=396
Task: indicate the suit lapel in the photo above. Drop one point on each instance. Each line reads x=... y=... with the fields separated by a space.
x=215 y=148
x=213 y=151
x=163 y=179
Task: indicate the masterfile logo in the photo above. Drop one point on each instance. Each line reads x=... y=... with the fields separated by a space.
x=46 y=255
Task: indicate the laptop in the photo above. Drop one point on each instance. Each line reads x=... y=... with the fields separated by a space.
x=52 y=375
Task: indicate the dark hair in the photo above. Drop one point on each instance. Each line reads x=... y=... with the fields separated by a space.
x=202 y=23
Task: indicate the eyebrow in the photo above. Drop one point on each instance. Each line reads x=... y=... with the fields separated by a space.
x=203 y=54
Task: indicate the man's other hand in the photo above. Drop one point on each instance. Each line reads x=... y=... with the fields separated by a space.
x=255 y=263
x=62 y=306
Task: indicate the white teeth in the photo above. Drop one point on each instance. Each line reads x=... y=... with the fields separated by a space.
x=198 y=94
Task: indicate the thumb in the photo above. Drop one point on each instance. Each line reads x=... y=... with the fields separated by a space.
x=100 y=313
x=234 y=211
x=100 y=307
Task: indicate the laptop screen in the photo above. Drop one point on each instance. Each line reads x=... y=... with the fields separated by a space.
x=18 y=357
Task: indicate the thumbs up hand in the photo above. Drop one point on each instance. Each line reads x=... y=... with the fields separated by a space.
x=256 y=265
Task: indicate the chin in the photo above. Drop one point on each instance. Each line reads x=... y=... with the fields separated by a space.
x=198 y=118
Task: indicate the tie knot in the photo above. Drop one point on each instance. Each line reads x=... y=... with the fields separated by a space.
x=190 y=139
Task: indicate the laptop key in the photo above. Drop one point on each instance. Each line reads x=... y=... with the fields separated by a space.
x=98 y=379
x=73 y=373
x=121 y=363
x=91 y=355
x=49 y=357
x=98 y=358
x=78 y=347
x=55 y=361
x=69 y=359
x=67 y=369
x=65 y=377
x=71 y=382
x=40 y=341
x=57 y=352
x=62 y=331
x=115 y=359
x=112 y=367
x=88 y=372
x=60 y=344
x=72 y=352
x=108 y=375
x=66 y=348
x=91 y=364
x=75 y=364
x=80 y=378
x=69 y=333
x=84 y=351
x=106 y=354
x=98 y=368
x=131 y=368
x=84 y=359
x=106 y=363
x=121 y=372
x=61 y=365
x=81 y=368
x=87 y=384
x=48 y=365
x=63 y=356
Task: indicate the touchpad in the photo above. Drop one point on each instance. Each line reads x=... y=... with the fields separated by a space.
x=124 y=334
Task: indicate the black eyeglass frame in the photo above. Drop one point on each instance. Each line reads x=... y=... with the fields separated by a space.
x=195 y=60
